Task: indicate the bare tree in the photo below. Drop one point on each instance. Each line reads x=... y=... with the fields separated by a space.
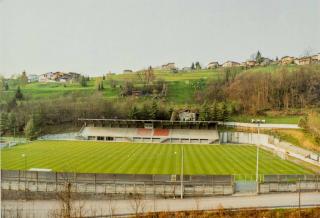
x=111 y=206
x=137 y=204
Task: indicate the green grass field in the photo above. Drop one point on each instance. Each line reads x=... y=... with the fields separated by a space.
x=103 y=157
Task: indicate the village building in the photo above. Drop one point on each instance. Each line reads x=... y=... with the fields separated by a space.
x=33 y=78
x=303 y=61
x=213 y=65
x=231 y=64
x=74 y=75
x=47 y=77
x=287 y=60
x=59 y=77
x=266 y=61
x=169 y=66
x=187 y=115
x=250 y=63
x=186 y=69
x=316 y=58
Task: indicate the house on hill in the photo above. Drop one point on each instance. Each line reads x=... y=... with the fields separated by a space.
x=213 y=65
x=46 y=77
x=230 y=64
x=250 y=63
x=266 y=61
x=169 y=66
x=303 y=60
x=33 y=78
x=316 y=58
x=59 y=77
x=287 y=60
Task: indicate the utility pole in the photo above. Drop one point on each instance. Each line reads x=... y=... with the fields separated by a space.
x=181 y=179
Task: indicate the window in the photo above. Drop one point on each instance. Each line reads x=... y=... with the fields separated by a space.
x=100 y=138
x=148 y=125
x=91 y=137
x=108 y=138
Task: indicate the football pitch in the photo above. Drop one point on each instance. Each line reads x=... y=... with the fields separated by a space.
x=134 y=158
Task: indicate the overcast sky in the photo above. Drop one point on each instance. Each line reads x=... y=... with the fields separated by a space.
x=98 y=36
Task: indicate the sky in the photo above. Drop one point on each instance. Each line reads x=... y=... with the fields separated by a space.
x=94 y=37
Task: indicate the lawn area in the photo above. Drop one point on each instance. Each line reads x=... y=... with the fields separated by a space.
x=104 y=157
x=269 y=119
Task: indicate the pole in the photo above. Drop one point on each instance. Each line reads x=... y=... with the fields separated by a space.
x=25 y=172
x=181 y=179
x=299 y=195
x=257 y=161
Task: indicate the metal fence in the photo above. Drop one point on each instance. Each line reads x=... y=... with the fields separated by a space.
x=289 y=183
x=121 y=184
x=154 y=185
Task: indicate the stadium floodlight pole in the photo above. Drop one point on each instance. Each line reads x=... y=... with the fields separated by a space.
x=25 y=171
x=181 y=179
x=257 y=162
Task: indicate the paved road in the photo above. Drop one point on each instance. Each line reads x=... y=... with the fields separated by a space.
x=41 y=208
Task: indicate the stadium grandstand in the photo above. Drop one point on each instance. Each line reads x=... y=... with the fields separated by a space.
x=157 y=131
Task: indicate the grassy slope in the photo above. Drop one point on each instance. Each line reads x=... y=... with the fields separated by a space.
x=299 y=138
x=102 y=157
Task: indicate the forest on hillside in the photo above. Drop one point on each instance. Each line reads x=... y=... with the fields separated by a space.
x=253 y=93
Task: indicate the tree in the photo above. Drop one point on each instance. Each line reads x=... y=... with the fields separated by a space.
x=112 y=82
x=198 y=66
x=133 y=113
x=154 y=110
x=3 y=123
x=83 y=81
x=19 y=95
x=12 y=122
x=192 y=66
x=145 y=112
x=99 y=84
x=214 y=111
x=224 y=112
x=259 y=58
x=127 y=88
x=30 y=129
x=204 y=112
x=23 y=78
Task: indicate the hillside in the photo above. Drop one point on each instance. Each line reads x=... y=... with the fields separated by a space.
x=179 y=84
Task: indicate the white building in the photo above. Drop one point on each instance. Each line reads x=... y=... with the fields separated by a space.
x=33 y=78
